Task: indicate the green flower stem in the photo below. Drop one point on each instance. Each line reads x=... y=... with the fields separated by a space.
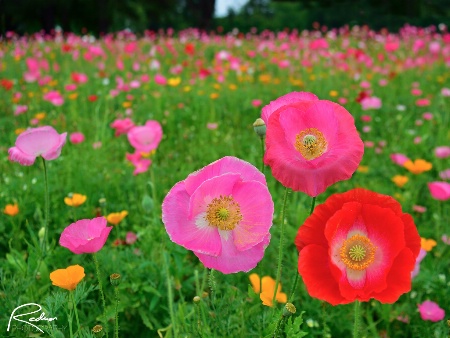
x=313 y=203
x=357 y=324
x=262 y=157
x=47 y=210
x=75 y=309
x=102 y=295
x=170 y=295
x=280 y=251
x=152 y=179
x=116 y=325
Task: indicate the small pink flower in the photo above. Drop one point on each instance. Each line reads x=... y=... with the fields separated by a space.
x=43 y=141
x=140 y=164
x=445 y=91
x=146 y=138
x=20 y=109
x=439 y=190
x=79 y=77
x=70 y=87
x=212 y=125
x=399 y=159
x=85 y=236
x=442 y=152
x=366 y=118
x=427 y=116
x=431 y=311
x=122 y=126
x=97 y=145
x=365 y=84
x=445 y=239
x=445 y=174
x=422 y=102
x=160 y=80
x=416 y=92
x=371 y=103
x=34 y=121
x=420 y=257
x=223 y=213
x=256 y=103
x=311 y=144
x=419 y=209
x=342 y=100
x=417 y=139
x=54 y=97
x=130 y=238
x=383 y=82
x=369 y=144
x=366 y=129
x=76 y=137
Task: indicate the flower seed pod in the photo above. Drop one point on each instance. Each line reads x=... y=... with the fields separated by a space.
x=259 y=127
x=115 y=279
x=288 y=310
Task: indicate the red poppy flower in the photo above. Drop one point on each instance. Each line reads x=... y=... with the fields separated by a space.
x=92 y=98
x=356 y=246
x=7 y=84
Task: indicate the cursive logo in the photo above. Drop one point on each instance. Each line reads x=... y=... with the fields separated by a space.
x=42 y=316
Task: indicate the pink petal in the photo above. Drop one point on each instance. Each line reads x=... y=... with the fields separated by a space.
x=16 y=155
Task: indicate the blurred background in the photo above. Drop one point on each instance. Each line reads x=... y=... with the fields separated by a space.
x=100 y=16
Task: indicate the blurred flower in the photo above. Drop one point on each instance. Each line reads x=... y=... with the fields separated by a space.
x=427 y=116
x=346 y=254
x=145 y=138
x=422 y=102
x=223 y=213
x=371 y=103
x=400 y=180
x=419 y=259
x=116 y=217
x=419 y=208
x=122 y=126
x=445 y=239
x=256 y=103
x=399 y=159
x=311 y=144
x=431 y=311
x=43 y=141
x=76 y=137
x=67 y=278
x=439 y=190
x=85 y=236
x=20 y=109
x=54 y=97
x=418 y=166
x=445 y=174
x=268 y=289
x=11 y=209
x=212 y=125
x=442 y=152
x=427 y=244
x=75 y=199
x=362 y=169
x=160 y=80
x=130 y=238
x=174 y=81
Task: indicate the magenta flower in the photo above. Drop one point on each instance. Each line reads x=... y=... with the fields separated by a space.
x=431 y=311
x=445 y=174
x=442 y=152
x=439 y=190
x=310 y=144
x=85 y=236
x=223 y=213
x=54 y=97
x=140 y=164
x=122 y=126
x=399 y=159
x=419 y=259
x=43 y=141
x=20 y=109
x=145 y=138
x=76 y=137
x=371 y=103
x=160 y=80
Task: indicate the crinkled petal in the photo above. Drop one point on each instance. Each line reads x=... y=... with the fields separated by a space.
x=16 y=155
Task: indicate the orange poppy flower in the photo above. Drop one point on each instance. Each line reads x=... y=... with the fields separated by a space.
x=75 y=199
x=268 y=288
x=427 y=244
x=418 y=166
x=11 y=209
x=400 y=180
x=116 y=217
x=67 y=278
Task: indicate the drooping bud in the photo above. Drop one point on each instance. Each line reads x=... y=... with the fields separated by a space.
x=259 y=127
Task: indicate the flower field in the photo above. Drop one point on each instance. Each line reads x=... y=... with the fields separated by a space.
x=183 y=184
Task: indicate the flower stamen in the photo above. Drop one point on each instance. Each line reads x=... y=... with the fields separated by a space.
x=310 y=143
x=223 y=212
x=357 y=252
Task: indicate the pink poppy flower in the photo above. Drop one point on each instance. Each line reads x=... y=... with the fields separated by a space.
x=79 y=77
x=223 y=213
x=419 y=209
x=371 y=103
x=256 y=103
x=442 y=152
x=422 y=102
x=431 y=311
x=20 y=109
x=445 y=91
x=445 y=174
x=285 y=100
x=145 y=138
x=43 y=141
x=122 y=126
x=427 y=116
x=399 y=159
x=76 y=137
x=54 y=97
x=212 y=125
x=420 y=257
x=439 y=190
x=160 y=80
x=130 y=238
x=311 y=144
x=85 y=236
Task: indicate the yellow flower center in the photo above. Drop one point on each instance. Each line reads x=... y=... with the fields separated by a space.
x=357 y=252
x=310 y=143
x=223 y=213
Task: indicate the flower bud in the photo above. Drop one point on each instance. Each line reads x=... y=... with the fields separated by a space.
x=196 y=299
x=115 y=279
x=41 y=233
x=97 y=330
x=288 y=310
x=259 y=127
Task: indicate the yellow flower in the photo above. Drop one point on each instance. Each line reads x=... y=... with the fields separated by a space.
x=126 y=104
x=400 y=180
x=214 y=96
x=268 y=289
x=75 y=200
x=11 y=209
x=334 y=93
x=216 y=86
x=40 y=116
x=265 y=78
x=73 y=96
x=19 y=131
x=53 y=83
x=312 y=77
x=187 y=89
x=232 y=87
x=363 y=169
x=116 y=217
x=30 y=95
x=418 y=166
x=67 y=278
x=174 y=81
x=427 y=244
